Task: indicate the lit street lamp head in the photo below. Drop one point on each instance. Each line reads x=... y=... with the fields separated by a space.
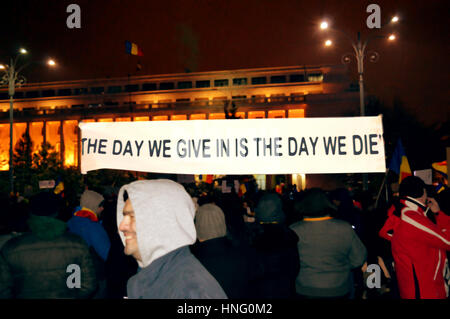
x=2 y=67
x=51 y=62
x=328 y=43
x=394 y=19
x=23 y=51
x=391 y=37
x=324 y=25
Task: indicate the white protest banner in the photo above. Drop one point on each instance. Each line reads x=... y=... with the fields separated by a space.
x=251 y=146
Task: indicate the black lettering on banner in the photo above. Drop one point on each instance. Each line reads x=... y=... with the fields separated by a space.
x=373 y=143
x=341 y=144
x=290 y=152
x=117 y=143
x=224 y=147
x=277 y=146
x=92 y=145
x=330 y=144
x=243 y=144
x=101 y=146
x=166 y=148
x=155 y=147
x=82 y=145
x=138 y=146
x=267 y=145
x=257 y=140
x=128 y=149
x=206 y=147
x=357 y=139
x=303 y=147
x=314 y=143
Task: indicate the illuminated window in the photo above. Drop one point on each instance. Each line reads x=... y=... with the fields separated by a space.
x=197 y=117
x=217 y=116
x=315 y=77
x=36 y=135
x=105 y=120
x=4 y=147
x=141 y=118
x=276 y=114
x=70 y=143
x=19 y=130
x=52 y=134
x=180 y=117
x=123 y=119
x=256 y=115
x=240 y=115
x=88 y=120
x=160 y=118
x=296 y=113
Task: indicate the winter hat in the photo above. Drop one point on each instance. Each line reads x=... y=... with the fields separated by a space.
x=91 y=200
x=210 y=222
x=44 y=204
x=315 y=203
x=412 y=186
x=269 y=209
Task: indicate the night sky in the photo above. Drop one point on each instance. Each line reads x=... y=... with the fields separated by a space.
x=207 y=35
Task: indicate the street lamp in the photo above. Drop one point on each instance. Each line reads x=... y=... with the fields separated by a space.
x=359 y=48
x=13 y=79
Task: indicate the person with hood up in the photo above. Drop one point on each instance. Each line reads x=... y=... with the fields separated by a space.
x=156 y=225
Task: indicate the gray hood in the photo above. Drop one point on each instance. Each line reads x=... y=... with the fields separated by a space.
x=164 y=214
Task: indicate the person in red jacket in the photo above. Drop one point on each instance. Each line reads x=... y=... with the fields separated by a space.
x=420 y=236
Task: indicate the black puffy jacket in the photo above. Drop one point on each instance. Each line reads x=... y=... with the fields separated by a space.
x=36 y=264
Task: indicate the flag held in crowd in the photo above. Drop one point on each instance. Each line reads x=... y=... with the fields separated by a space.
x=133 y=49
x=399 y=162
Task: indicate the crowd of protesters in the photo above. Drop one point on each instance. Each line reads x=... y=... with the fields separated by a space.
x=158 y=239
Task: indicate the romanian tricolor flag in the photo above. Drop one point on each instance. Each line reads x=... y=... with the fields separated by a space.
x=133 y=49
x=399 y=163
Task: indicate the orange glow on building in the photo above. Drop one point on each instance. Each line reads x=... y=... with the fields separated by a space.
x=257 y=115
x=70 y=132
x=276 y=114
x=240 y=114
x=296 y=113
x=141 y=118
x=88 y=120
x=4 y=147
x=52 y=134
x=19 y=130
x=105 y=120
x=197 y=117
x=217 y=116
x=36 y=135
x=123 y=119
x=160 y=118
x=180 y=117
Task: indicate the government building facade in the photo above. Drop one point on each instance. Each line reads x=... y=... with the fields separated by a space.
x=51 y=112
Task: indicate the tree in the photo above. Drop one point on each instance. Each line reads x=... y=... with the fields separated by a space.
x=22 y=161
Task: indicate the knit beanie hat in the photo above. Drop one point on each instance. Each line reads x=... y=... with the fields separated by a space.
x=91 y=200
x=412 y=186
x=210 y=222
x=269 y=209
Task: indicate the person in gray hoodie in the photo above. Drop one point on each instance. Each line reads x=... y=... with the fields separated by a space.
x=156 y=225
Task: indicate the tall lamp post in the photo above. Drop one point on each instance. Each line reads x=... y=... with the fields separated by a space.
x=13 y=79
x=359 y=52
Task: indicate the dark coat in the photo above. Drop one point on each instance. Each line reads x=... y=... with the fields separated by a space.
x=34 y=265
x=176 y=275
x=230 y=265
x=275 y=261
